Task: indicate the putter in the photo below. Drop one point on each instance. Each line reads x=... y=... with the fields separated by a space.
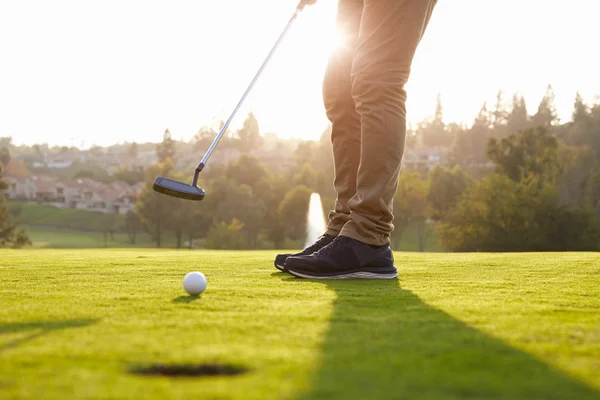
x=193 y=192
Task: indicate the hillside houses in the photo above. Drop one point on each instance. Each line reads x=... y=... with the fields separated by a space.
x=423 y=159
x=80 y=193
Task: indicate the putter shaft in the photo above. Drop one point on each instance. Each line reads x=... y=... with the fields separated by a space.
x=262 y=67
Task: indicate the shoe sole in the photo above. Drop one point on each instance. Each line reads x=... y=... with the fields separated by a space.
x=350 y=275
x=279 y=267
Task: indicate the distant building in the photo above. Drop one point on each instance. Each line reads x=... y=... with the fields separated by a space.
x=423 y=159
x=81 y=193
x=59 y=164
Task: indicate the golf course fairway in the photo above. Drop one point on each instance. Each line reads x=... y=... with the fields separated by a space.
x=80 y=324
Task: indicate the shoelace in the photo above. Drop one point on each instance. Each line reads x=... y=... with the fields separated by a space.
x=317 y=245
x=335 y=245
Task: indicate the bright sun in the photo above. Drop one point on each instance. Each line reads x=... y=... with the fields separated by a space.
x=292 y=88
x=335 y=39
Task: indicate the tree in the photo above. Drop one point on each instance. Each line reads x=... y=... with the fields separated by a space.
x=271 y=190
x=411 y=141
x=237 y=201
x=131 y=176
x=10 y=236
x=154 y=209
x=530 y=153
x=166 y=149
x=178 y=220
x=132 y=151
x=38 y=151
x=580 y=109
x=595 y=129
x=16 y=169
x=433 y=131
x=546 y=114
x=108 y=226
x=455 y=130
x=93 y=170
x=304 y=153
x=307 y=177
x=499 y=214
x=246 y=170
x=500 y=115
x=469 y=146
x=483 y=120
x=4 y=156
x=133 y=224
x=410 y=205
x=96 y=151
x=323 y=164
x=197 y=221
x=226 y=236
x=293 y=212
x=16 y=209
x=445 y=188
x=229 y=200
x=204 y=137
x=592 y=191
x=438 y=116
x=574 y=229
x=582 y=130
x=249 y=134
x=576 y=166
x=517 y=119
x=253 y=215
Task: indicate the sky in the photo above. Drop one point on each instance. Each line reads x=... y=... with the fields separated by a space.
x=83 y=73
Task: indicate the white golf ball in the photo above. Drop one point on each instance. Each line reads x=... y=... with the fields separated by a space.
x=194 y=283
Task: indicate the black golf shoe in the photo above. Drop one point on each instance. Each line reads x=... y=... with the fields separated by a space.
x=345 y=258
x=321 y=242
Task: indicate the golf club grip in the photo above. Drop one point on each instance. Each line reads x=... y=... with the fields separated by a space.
x=262 y=67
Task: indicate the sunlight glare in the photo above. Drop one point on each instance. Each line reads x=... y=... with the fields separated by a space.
x=334 y=40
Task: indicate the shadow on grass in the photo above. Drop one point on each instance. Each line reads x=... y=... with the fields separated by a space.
x=40 y=328
x=185 y=299
x=385 y=343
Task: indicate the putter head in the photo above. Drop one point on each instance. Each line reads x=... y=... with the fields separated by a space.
x=177 y=189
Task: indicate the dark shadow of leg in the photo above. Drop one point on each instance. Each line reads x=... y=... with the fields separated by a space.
x=385 y=343
x=40 y=327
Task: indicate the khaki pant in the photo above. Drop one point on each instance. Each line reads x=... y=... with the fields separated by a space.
x=364 y=97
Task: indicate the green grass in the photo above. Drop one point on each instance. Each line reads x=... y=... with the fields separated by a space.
x=66 y=218
x=454 y=326
x=410 y=240
x=59 y=238
x=53 y=238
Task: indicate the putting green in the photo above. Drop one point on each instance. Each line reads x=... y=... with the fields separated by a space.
x=74 y=323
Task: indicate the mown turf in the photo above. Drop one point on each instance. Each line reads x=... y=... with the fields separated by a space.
x=58 y=238
x=65 y=218
x=53 y=238
x=483 y=326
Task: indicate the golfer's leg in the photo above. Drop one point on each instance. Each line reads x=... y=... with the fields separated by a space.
x=389 y=34
x=340 y=108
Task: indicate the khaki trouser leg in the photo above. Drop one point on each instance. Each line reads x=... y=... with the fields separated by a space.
x=341 y=111
x=389 y=33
